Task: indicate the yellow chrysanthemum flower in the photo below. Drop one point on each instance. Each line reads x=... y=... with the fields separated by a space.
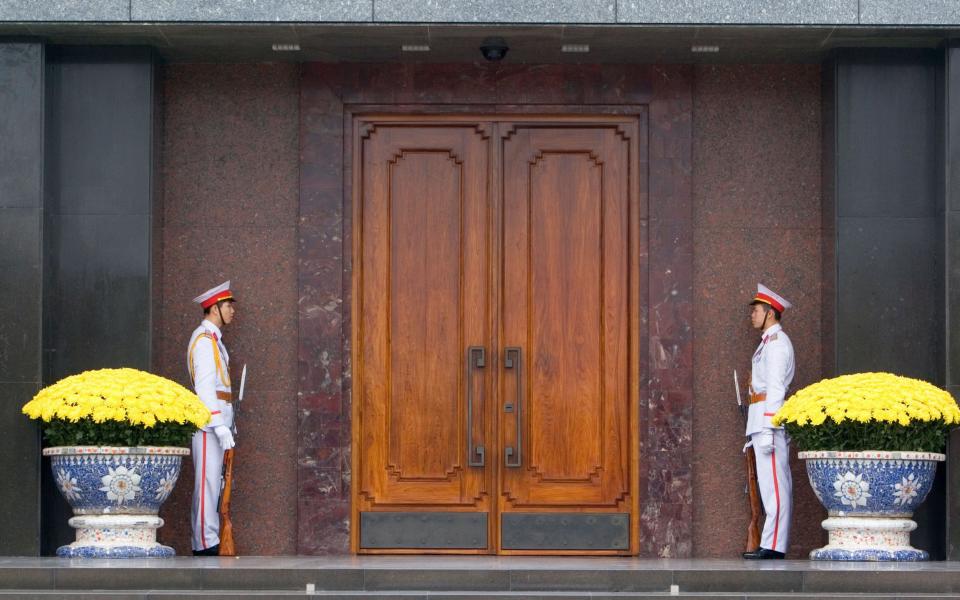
x=122 y=395
x=863 y=397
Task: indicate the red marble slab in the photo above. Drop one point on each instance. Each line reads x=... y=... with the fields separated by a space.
x=757 y=211
x=323 y=500
x=229 y=210
x=666 y=509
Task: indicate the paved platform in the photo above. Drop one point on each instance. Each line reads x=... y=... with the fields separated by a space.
x=469 y=577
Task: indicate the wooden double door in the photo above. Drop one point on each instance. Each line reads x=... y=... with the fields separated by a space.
x=496 y=335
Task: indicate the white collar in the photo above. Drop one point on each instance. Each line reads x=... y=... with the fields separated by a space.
x=770 y=330
x=211 y=327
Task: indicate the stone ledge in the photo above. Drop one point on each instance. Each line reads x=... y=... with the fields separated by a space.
x=571 y=12
x=221 y=11
x=897 y=12
x=739 y=12
x=81 y=11
x=496 y=11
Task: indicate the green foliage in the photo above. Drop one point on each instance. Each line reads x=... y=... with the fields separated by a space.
x=86 y=432
x=852 y=436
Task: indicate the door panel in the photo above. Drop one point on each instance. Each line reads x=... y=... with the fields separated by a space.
x=495 y=362
x=422 y=295
x=565 y=305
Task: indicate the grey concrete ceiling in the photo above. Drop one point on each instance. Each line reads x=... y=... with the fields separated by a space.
x=196 y=42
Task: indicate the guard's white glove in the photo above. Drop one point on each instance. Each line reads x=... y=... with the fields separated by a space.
x=763 y=441
x=225 y=436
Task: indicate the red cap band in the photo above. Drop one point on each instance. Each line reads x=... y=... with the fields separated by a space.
x=760 y=297
x=224 y=295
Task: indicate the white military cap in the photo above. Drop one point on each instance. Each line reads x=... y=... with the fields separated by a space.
x=214 y=295
x=768 y=296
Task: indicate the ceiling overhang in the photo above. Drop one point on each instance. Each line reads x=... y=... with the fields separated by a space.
x=254 y=42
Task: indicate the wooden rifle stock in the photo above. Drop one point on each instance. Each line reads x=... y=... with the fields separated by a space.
x=226 y=526
x=756 y=513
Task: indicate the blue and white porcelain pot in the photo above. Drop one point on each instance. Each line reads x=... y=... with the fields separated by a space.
x=870 y=498
x=115 y=493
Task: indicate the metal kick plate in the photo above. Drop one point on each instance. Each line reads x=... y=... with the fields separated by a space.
x=423 y=530
x=565 y=531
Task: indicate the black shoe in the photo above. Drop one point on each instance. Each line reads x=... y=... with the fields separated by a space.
x=211 y=551
x=763 y=554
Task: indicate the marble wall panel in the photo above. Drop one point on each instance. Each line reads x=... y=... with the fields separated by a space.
x=230 y=211
x=323 y=460
x=667 y=506
x=757 y=204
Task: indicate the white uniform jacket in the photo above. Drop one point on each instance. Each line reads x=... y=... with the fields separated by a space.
x=772 y=373
x=208 y=363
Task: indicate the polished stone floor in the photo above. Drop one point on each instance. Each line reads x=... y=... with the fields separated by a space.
x=425 y=577
x=487 y=563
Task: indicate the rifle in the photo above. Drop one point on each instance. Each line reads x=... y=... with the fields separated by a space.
x=750 y=489
x=226 y=525
x=227 y=547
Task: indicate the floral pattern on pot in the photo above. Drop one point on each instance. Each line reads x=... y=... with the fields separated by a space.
x=166 y=485
x=133 y=482
x=852 y=490
x=906 y=490
x=888 y=484
x=121 y=484
x=68 y=486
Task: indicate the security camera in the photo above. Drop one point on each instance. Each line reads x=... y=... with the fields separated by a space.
x=494 y=49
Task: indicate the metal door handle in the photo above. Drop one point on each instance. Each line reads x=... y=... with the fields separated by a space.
x=512 y=359
x=476 y=359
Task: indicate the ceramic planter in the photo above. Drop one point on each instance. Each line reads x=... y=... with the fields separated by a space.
x=115 y=494
x=870 y=498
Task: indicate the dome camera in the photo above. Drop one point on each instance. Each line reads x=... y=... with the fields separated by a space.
x=494 y=49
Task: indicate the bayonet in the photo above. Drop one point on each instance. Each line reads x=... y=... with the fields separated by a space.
x=243 y=382
x=736 y=386
x=236 y=406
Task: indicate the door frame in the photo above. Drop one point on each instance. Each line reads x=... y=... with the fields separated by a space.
x=355 y=120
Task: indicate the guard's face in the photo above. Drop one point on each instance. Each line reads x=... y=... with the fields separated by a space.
x=226 y=312
x=758 y=316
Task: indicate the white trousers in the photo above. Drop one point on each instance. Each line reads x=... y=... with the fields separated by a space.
x=207 y=471
x=776 y=491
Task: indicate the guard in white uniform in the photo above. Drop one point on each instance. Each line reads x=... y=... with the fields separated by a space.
x=209 y=366
x=772 y=372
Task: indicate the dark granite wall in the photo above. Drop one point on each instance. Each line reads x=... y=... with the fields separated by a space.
x=229 y=211
x=97 y=224
x=889 y=214
x=951 y=217
x=888 y=120
x=757 y=217
x=21 y=238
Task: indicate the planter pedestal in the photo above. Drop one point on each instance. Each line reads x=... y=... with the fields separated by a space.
x=869 y=538
x=115 y=536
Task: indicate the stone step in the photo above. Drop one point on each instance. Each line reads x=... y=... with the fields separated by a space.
x=460 y=577
x=452 y=595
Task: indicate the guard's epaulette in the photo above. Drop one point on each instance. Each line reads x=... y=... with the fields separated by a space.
x=772 y=337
